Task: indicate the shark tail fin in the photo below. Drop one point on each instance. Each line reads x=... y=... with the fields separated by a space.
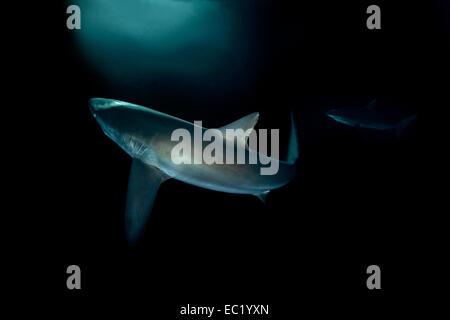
x=401 y=127
x=143 y=186
x=293 y=143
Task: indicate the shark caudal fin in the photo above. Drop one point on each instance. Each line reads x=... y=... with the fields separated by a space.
x=293 y=143
x=292 y=155
x=143 y=186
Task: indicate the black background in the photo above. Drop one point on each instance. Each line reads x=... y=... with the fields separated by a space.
x=359 y=198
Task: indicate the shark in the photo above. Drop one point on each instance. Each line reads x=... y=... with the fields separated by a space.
x=145 y=135
x=371 y=117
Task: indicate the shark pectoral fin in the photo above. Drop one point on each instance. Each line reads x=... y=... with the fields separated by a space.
x=143 y=186
x=262 y=196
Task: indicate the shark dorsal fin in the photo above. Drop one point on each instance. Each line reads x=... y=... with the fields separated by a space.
x=372 y=104
x=245 y=123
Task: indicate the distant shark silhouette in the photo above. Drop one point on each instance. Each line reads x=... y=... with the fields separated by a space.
x=145 y=134
x=373 y=118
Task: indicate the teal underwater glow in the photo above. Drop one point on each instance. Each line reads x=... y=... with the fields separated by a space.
x=129 y=40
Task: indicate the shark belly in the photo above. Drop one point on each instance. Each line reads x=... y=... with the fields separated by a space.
x=231 y=178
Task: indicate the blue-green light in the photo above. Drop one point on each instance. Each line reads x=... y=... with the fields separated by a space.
x=129 y=40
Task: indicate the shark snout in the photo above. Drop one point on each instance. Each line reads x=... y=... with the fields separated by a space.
x=92 y=109
x=100 y=104
x=331 y=112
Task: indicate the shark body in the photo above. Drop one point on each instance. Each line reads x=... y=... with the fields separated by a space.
x=145 y=134
x=372 y=118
